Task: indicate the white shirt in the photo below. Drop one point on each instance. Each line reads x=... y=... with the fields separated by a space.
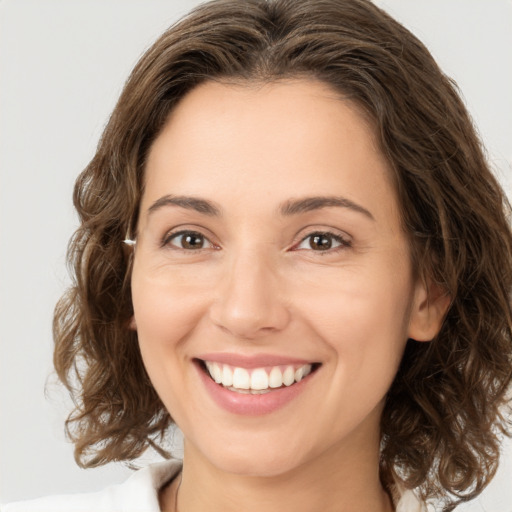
x=139 y=494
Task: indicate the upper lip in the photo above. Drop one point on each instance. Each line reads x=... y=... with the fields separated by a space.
x=254 y=361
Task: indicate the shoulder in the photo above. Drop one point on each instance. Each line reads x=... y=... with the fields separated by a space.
x=137 y=494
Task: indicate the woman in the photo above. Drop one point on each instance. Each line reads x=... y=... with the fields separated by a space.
x=291 y=245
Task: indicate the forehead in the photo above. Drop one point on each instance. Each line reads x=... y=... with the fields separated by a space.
x=309 y=110
x=295 y=137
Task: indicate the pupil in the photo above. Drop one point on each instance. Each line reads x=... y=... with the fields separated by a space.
x=193 y=241
x=321 y=242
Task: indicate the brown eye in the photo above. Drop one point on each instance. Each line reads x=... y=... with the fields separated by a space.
x=189 y=240
x=323 y=241
x=320 y=242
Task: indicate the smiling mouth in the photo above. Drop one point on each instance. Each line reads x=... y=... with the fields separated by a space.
x=257 y=381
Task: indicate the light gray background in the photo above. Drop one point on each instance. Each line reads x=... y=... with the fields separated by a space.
x=62 y=66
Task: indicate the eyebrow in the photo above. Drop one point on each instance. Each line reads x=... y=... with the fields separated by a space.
x=286 y=209
x=307 y=204
x=190 y=203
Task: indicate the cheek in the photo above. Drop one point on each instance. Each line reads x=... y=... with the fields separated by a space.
x=165 y=306
x=363 y=319
x=165 y=315
x=358 y=301
x=365 y=335
x=165 y=312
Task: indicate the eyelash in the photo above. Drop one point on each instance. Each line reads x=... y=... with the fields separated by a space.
x=343 y=242
x=171 y=236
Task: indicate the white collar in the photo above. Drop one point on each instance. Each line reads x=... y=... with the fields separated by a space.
x=405 y=500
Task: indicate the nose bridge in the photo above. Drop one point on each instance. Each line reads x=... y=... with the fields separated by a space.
x=249 y=301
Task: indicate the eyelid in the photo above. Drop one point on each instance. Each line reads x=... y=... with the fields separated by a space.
x=176 y=236
x=165 y=240
x=343 y=239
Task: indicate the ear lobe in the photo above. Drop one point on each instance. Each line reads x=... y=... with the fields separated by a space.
x=430 y=304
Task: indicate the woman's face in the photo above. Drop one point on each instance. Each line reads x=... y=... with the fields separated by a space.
x=269 y=246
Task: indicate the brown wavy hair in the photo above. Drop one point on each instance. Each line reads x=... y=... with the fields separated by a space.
x=446 y=409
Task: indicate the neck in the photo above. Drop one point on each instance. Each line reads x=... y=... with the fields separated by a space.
x=343 y=480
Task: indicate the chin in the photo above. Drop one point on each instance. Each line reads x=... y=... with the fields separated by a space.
x=266 y=467
x=256 y=462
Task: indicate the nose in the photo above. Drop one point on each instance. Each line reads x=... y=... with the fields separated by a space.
x=249 y=301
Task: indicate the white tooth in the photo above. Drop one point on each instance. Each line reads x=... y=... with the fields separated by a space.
x=209 y=367
x=241 y=378
x=299 y=373
x=216 y=373
x=259 y=379
x=307 y=370
x=227 y=376
x=288 y=376
x=275 y=379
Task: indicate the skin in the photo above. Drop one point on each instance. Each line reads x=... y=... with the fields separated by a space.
x=257 y=285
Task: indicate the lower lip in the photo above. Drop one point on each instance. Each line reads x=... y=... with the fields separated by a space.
x=248 y=404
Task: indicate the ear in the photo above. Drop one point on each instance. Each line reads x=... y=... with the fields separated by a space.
x=430 y=304
x=132 y=325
